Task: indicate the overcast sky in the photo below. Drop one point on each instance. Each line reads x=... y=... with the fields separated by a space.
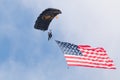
x=26 y=54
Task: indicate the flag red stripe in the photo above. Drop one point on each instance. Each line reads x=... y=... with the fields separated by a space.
x=91 y=66
x=91 y=57
x=73 y=60
x=93 y=63
x=87 y=58
x=94 y=53
x=95 y=56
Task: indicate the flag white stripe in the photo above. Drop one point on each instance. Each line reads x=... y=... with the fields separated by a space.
x=81 y=60
x=87 y=57
x=73 y=60
x=91 y=57
x=88 y=61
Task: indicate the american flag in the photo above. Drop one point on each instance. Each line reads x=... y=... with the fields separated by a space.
x=85 y=55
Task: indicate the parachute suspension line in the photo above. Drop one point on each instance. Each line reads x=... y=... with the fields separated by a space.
x=56 y=17
x=67 y=67
x=62 y=52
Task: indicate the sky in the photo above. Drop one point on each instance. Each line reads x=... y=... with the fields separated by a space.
x=26 y=54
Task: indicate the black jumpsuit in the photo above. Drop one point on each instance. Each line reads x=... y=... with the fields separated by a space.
x=49 y=35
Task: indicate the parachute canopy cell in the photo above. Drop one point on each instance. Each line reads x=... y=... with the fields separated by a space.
x=44 y=19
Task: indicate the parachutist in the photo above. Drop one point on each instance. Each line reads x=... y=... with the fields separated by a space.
x=49 y=35
x=44 y=19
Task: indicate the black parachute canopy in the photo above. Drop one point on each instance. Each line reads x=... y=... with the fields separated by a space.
x=44 y=19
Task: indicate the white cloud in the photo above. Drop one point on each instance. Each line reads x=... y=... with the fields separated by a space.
x=81 y=22
x=12 y=70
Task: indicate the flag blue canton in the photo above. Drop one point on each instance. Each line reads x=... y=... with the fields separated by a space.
x=69 y=48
